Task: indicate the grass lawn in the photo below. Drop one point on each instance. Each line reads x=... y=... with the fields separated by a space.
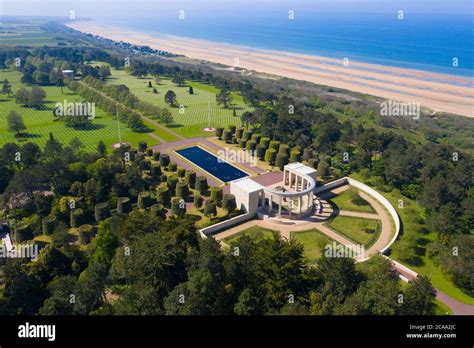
x=313 y=242
x=345 y=201
x=353 y=229
x=412 y=216
x=255 y=232
x=195 y=116
x=442 y=309
x=39 y=123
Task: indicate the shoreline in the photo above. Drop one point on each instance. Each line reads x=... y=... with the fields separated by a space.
x=436 y=91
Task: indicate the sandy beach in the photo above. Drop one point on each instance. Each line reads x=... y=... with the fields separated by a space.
x=439 y=92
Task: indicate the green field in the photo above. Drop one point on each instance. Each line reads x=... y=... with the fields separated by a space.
x=195 y=117
x=313 y=242
x=345 y=201
x=353 y=229
x=29 y=34
x=255 y=232
x=412 y=215
x=39 y=123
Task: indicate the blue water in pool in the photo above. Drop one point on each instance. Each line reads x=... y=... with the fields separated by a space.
x=211 y=164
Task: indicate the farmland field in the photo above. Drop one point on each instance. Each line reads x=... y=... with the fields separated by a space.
x=195 y=116
x=39 y=123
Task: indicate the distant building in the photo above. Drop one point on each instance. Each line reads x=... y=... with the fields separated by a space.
x=69 y=74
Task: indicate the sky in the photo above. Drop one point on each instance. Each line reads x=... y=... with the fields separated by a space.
x=97 y=9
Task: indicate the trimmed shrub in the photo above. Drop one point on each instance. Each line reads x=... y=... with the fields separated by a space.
x=182 y=190
x=210 y=208
x=323 y=169
x=313 y=163
x=232 y=128
x=181 y=172
x=142 y=145
x=265 y=141
x=144 y=200
x=284 y=149
x=197 y=201
x=48 y=225
x=275 y=145
x=219 y=132
x=190 y=178
x=124 y=205
x=256 y=137
x=227 y=136
x=164 y=196
x=164 y=160
x=23 y=233
x=251 y=145
x=201 y=184
x=178 y=206
x=295 y=156
x=101 y=211
x=86 y=232
x=156 y=156
x=247 y=135
x=228 y=202
x=239 y=132
x=163 y=178
x=307 y=154
x=76 y=217
x=270 y=156
x=242 y=143
x=281 y=160
x=172 y=167
x=155 y=170
x=158 y=210
x=261 y=152
x=217 y=194
x=172 y=181
x=149 y=152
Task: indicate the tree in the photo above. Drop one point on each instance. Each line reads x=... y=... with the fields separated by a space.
x=101 y=148
x=178 y=79
x=104 y=72
x=191 y=90
x=419 y=297
x=170 y=98
x=37 y=97
x=166 y=117
x=323 y=169
x=7 y=88
x=15 y=122
x=224 y=97
x=22 y=96
x=228 y=202
x=135 y=122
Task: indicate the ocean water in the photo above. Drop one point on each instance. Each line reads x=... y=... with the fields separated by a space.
x=425 y=39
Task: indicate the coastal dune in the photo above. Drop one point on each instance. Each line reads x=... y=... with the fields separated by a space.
x=439 y=92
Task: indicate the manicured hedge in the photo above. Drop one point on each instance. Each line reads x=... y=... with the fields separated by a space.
x=48 y=225
x=217 y=194
x=281 y=160
x=86 y=232
x=274 y=144
x=164 y=196
x=144 y=200
x=228 y=202
x=270 y=156
x=201 y=184
x=182 y=190
x=76 y=217
x=190 y=178
x=164 y=160
x=124 y=205
x=101 y=211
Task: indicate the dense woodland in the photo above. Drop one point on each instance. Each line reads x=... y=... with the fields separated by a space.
x=140 y=263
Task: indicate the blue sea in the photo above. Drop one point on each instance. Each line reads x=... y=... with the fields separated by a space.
x=429 y=37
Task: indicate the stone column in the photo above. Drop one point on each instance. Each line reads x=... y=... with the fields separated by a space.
x=300 y=202
x=279 y=206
